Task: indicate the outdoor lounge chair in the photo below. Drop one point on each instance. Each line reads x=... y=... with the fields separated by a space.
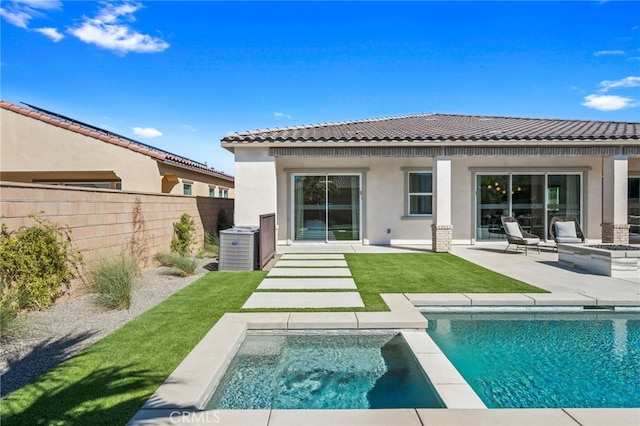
x=565 y=229
x=516 y=235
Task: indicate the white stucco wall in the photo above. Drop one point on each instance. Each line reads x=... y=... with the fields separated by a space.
x=255 y=185
x=383 y=198
x=384 y=192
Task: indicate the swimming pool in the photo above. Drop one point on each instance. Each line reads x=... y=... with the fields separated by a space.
x=328 y=370
x=544 y=360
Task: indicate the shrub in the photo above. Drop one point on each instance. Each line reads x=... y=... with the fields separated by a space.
x=186 y=265
x=183 y=235
x=223 y=221
x=11 y=304
x=211 y=245
x=113 y=280
x=36 y=265
x=164 y=258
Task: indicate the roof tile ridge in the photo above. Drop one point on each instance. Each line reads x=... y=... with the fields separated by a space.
x=325 y=124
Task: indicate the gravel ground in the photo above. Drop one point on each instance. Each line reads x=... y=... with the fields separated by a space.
x=47 y=338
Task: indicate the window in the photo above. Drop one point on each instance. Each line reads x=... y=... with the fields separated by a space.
x=224 y=193
x=212 y=191
x=420 y=193
x=186 y=188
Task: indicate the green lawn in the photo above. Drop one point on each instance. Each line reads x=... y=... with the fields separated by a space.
x=110 y=380
x=425 y=273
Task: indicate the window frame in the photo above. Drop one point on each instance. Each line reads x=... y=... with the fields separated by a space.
x=187 y=188
x=409 y=194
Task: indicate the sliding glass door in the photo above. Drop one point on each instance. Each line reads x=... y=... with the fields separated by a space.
x=533 y=199
x=326 y=207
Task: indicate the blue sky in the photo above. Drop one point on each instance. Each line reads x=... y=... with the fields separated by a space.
x=182 y=75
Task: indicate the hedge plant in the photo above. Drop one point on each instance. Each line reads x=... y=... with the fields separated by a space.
x=183 y=235
x=36 y=265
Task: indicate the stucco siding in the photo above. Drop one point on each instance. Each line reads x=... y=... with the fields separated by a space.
x=255 y=181
x=32 y=145
x=384 y=192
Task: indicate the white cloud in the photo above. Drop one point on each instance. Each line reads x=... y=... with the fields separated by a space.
x=20 y=12
x=610 y=53
x=189 y=128
x=147 y=132
x=608 y=102
x=281 y=115
x=52 y=33
x=631 y=81
x=108 y=31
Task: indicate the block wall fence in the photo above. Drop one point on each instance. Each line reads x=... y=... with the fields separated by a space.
x=102 y=221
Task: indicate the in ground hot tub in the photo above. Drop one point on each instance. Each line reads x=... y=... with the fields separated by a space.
x=326 y=370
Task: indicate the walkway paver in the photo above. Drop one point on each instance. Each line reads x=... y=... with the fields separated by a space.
x=309 y=272
x=307 y=284
x=309 y=299
x=312 y=256
x=324 y=263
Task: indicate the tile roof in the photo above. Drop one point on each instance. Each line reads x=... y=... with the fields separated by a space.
x=444 y=127
x=112 y=138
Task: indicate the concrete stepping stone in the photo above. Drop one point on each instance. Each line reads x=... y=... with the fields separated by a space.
x=271 y=300
x=311 y=256
x=309 y=272
x=311 y=263
x=307 y=284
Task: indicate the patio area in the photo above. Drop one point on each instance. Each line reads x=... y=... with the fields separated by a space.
x=567 y=288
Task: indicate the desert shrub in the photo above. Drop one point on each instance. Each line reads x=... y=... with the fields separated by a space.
x=113 y=280
x=185 y=265
x=211 y=245
x=37 y=264
x=164 y=258
x=223 y=221
x=183 y=235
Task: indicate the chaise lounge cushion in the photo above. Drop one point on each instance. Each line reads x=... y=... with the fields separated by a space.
x=566 y=232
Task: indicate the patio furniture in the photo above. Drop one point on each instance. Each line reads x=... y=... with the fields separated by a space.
x=517 y=236
x=565 y=229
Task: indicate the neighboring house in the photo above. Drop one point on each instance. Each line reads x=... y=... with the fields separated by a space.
x=39 y=146
x=438 y=178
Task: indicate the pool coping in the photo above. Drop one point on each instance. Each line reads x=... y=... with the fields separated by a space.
x=183 y=394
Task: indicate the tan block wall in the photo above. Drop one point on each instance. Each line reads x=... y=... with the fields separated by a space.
x=101 y=221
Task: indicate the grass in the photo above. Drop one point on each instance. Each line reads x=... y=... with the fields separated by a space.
x=183 y=264
x=425 y=273
x=113 y=280
x=107 y=382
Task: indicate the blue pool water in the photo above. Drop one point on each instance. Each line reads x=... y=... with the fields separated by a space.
x=325 y=371
x=581 y=360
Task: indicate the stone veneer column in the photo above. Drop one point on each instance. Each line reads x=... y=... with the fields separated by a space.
x=441 y=230
x=441 y=238
x=615 y=229
x=615 y=234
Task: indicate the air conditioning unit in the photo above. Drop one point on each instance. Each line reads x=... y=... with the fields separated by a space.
x=239 y=249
